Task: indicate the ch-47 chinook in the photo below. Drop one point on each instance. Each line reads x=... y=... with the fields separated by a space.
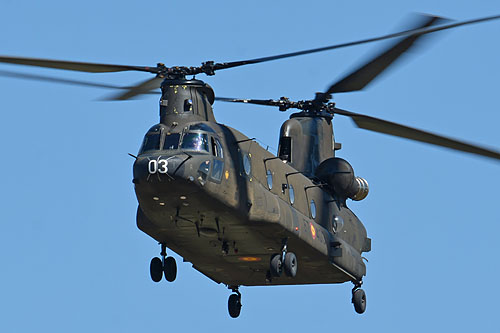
x=241 y=215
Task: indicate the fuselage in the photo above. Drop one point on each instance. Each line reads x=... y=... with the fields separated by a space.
x=225 y=204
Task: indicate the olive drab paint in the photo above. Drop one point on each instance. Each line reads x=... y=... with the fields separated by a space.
x=216 y=222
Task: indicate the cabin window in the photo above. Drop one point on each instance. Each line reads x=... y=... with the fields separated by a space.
x=151 y=142
x=188 y=105
x=247 y=166
x=285 y=148
x=195 y=141
x=337 y=224
x=291 y=194
x=217 y=148
x=269 y=176
x=171 y=141
x=313 y=209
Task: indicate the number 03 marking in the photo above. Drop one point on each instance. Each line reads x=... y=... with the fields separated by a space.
x=160 y=166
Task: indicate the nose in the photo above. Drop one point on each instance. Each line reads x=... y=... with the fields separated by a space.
x=153 y=168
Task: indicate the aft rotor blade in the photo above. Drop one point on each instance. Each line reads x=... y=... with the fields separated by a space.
x=143 y=87
x=359 y=42
x=387 y=127
x=364 y=74
x=75 y=65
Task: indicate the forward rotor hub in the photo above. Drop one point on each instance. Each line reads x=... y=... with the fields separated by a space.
x=178 y=72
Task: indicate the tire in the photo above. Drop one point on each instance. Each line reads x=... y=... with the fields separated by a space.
x=290 y=264
x=156 y=269
x=276 y=265
x=170 y=269
x=359 y=301
x=234 y=305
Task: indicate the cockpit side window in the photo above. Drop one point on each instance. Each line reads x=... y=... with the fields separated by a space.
x=151 y=142
x=218 y=162
x=217 y=148
x=195 y=141
x=171 y=141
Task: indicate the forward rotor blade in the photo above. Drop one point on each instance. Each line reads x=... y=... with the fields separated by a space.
x=52 y=79
x=141 y=88
x=364 y=74
x=75 y=65
x=363 y=41
x=387 y=127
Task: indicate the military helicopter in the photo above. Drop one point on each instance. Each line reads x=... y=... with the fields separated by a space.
x=241 y=215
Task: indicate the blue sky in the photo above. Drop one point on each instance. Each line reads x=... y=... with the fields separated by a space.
x=72 y=257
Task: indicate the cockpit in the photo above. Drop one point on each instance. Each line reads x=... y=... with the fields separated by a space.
x=198 y=137
x=199 y=141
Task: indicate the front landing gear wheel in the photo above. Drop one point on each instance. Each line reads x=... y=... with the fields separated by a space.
x=156 y=269
x=170 y=269
x=359 y=300
x=234 y=305
x=276 y=265
x=290 y=264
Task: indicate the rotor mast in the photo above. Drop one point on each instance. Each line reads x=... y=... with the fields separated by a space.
x=184 y=100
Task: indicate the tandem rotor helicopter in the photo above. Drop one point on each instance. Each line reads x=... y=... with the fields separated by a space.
x=241 y=215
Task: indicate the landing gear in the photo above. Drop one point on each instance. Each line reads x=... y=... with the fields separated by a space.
x=156 y=269
x=234 y=303
x=284 y=260
x=358 y=298
x=170 y=269
x=290 y=264
x=165 y=266
x=276 y=265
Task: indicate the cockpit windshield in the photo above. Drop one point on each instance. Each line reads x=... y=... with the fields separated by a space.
x=195 y=141
x=151 y=142
x=171 y=141
x=201 y=127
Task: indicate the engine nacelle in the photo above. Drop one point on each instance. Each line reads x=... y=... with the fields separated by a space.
x=363 y=189
x=339 y=175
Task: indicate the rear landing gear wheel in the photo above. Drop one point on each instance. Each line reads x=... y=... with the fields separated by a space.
x=359 y=300
x=276 y=265
x=290 y=264
x=234 y=305
x=170 y=269
x=156 y=269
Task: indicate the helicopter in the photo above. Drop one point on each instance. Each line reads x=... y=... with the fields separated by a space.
x=240 y=214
